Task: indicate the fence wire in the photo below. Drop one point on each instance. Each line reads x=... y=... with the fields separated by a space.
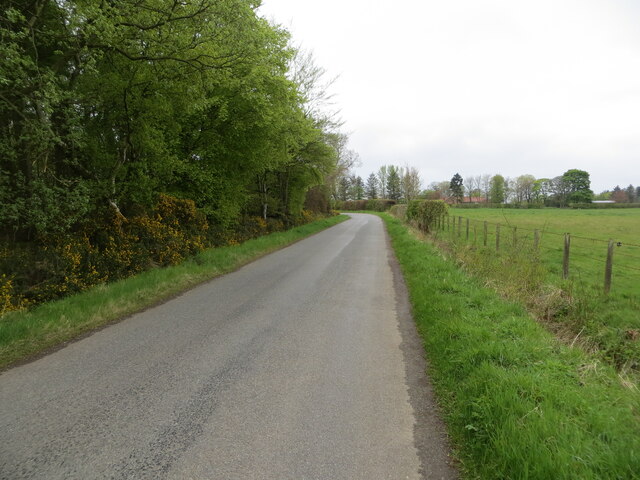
x=586 y=255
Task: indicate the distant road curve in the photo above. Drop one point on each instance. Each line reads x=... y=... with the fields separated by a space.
x=302 y=365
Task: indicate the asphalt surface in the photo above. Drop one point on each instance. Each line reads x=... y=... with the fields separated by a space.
x=302 y=365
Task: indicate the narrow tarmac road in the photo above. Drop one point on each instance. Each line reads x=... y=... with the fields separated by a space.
x=302 y=365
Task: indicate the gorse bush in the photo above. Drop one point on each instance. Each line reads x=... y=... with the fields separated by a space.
x=26 y=332
x=105 y=248
x=111 y=247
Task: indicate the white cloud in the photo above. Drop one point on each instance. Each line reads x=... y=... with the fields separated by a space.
x=482 y=87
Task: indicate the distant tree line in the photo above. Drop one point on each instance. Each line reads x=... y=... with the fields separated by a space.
x=573 y=186
x=403 y=184
x=400 y=184
x=629 y=194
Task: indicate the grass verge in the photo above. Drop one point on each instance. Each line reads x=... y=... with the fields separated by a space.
x=27 y=333
x=518 y=403
x=576 y=308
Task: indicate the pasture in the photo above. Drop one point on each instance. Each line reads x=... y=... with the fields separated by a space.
x=611 y=321
x=590 y=232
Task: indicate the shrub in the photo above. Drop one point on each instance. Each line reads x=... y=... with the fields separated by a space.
x=399 y=211
x=380 y=204
x=376 y=205
x=9 y=301
x=107 y=247
x=498 y=205
x=110 y=247
x=424 y=213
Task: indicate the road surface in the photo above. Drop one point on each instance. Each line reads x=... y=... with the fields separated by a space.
x=301 y=365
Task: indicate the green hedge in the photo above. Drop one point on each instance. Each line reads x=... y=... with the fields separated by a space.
x=498 y=205
x=603 y=205
x=424 y=213
x=375 y=204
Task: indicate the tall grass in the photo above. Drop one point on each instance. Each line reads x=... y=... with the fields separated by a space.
x=26 y=333
x=519 y=404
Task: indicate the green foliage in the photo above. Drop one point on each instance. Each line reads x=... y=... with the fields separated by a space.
x=380 y=204
x=601 y=206
x=506 y=206
x=107 y=108
x=394 y=191
x=425 y=213
x=200 y=110
x=377 y=205
x=456 y=187
x=496 y=192
x=399 y=211
x=371 y=189
x=577 y=186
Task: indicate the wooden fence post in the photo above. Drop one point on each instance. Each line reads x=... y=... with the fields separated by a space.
x=475 y=236
x=497 y=237
x=485 y=234
x=608 y=269
x=515 y=236
x=565 y=256
x=459 y=226
x=467 y=229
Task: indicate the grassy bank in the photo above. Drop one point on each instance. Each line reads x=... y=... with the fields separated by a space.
x=518 y=403
x=26 y=333
x=590 y=230
x=576 y=307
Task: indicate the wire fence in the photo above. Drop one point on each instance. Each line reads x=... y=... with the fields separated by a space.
x=568 y=255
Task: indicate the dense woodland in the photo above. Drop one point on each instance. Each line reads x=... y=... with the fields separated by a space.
x=136 y=132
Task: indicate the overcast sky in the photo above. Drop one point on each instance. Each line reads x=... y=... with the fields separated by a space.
x=491 y=86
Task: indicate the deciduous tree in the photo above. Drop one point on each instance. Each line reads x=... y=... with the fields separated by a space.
x=382 y=178
x=577 y=186
x=411 y=183
x=496 y=194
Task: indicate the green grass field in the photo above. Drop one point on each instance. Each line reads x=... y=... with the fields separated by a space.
x=613 y=321
x=519 y=404
x=590 y=232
